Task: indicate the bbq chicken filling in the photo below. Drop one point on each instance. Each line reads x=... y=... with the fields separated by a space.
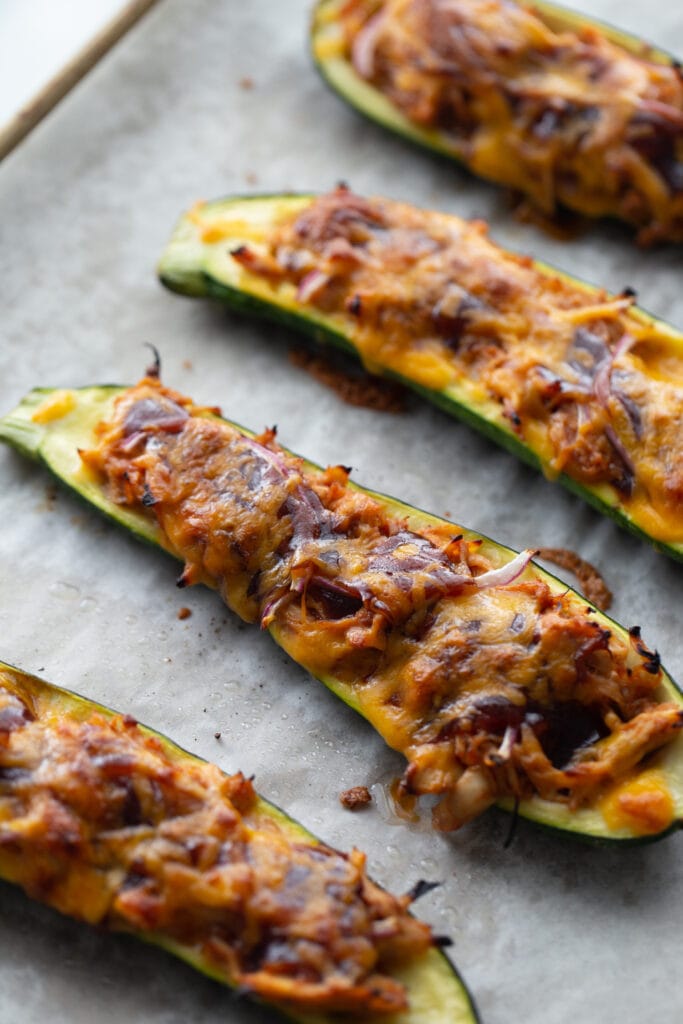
x=565 y=117
x=101 y=822
x=592 y=387
x=489 y=683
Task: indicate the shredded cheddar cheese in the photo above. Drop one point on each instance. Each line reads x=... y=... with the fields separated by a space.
x=588 y=384
x=489 y=683
x=100 y=820
x=58 y=404
x=563 y=115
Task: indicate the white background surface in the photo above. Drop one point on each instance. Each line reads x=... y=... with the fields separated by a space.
x=38 y=37
x=546 y=932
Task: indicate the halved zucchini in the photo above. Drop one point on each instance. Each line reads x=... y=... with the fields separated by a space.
x=112 y=823
x=622 y=457
x=487 y=604
x=562 y=108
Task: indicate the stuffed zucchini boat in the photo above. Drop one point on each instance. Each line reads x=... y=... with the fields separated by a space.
x=113 y=824
x=581 y=384
x=566 y=111
x=496 y=682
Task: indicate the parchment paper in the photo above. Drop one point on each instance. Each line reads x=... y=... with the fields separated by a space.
x=210 y=98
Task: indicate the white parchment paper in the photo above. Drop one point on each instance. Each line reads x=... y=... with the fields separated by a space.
x=209 y=98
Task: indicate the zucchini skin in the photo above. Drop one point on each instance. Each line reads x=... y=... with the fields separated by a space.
x=341 y=77
x=439 y=973
x=56 y=446
x=187 y=267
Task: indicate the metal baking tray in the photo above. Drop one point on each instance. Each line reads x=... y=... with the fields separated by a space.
x=205 y=99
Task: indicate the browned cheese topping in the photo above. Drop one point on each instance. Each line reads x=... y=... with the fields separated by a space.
x=565 y=117
x=101 y=822
x=592 y=388
x=489 y=683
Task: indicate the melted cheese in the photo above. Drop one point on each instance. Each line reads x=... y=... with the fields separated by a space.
x=565 y=116
x=110 y=825
x=56 y=405
x=490 y=684
x=643 y=804
x=593 y=387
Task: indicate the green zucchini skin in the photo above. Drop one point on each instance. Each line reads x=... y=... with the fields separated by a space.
x=193 y=268
x=433 y=983
x=55 y=444
x=342 y=79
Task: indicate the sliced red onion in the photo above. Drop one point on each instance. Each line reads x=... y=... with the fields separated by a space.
x=626 y=341
x=509 y=739
x=632 y=411
x=14 y=716
x=275 y=459
x=602 y=388
x=587 y=341
x=131 y=442
x=603 y=367
x=339 y=599
x=629 y=468
x=601 y=384
x=275 y=601
x=161 y=413
x=310 y=519
x=311 y=285
x=559 y=388
x=507 y=573
x=664 y=113
x=365 y=44
x=591 y=343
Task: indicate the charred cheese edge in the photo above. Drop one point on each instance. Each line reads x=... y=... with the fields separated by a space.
x=52 y=427
x=434 y=989
x=199 y=261
x=497 y=143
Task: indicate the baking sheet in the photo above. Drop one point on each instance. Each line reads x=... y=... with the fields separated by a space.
x=46 y=48
x=211 y=98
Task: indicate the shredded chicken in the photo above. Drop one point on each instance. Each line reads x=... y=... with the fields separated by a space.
x=99 y=820
x=490 y=684
x=565 y=117
x=589 y=386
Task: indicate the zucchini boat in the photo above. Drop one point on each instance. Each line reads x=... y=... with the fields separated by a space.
x=494 y=680
x=583 y=385
x=113 y=824
x=566 y=111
